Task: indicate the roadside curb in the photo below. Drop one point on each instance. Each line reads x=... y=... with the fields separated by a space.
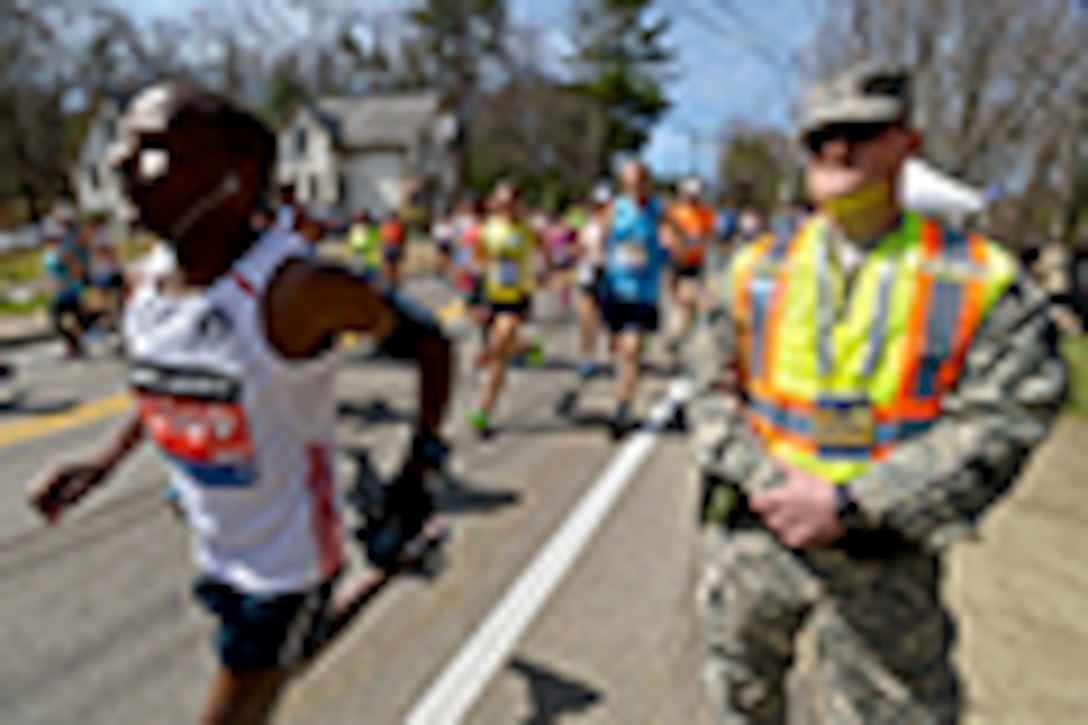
x=29 y=337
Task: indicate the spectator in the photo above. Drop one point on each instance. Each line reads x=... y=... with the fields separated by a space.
x=64 y=277
x=393 y=237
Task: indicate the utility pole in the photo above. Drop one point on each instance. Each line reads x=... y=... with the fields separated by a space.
x=461 y=89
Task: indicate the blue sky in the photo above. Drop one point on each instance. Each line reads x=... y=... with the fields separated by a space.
x=722 y=74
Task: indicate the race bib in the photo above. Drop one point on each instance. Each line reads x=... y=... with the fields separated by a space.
x=631 y=255
x=506 y=272
x=845 y=423
x=198 y=422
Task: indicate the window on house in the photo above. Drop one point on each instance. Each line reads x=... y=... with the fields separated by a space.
x=314 y=186
x=300 y=141
x=342 y=189
x=93 y=179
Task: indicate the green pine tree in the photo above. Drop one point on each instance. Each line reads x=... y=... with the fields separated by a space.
x=622 y=63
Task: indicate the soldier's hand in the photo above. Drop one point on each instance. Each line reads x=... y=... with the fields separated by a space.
x=802 y=514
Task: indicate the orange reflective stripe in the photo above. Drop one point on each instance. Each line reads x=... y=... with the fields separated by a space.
x=744 y=313
x=932 y=239
x=759 y=389
x=773 y=434
x=970 y=316
x=772 y=335
x=910 y=409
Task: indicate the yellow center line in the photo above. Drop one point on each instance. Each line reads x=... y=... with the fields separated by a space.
x=84 y=414
x=103 y=408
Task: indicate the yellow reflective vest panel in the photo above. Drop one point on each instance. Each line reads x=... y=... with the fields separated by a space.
x=834 y=381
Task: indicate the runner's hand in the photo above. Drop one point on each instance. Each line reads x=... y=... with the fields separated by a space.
x=64 y=486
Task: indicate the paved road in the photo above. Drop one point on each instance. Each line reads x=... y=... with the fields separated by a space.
x=98 y=626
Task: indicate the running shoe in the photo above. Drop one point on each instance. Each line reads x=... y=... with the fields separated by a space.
x=480 y=423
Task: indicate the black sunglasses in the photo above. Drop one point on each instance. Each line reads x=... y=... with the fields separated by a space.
x=855 y=133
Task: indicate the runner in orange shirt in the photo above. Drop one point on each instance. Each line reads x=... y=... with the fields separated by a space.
x=688 y=239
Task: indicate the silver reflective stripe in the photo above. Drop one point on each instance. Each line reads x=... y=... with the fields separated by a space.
x=825 y=316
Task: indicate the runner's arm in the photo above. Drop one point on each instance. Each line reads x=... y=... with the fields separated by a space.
x=933 y=489
x=670 y=233
x=66 y=484
x=318 y=302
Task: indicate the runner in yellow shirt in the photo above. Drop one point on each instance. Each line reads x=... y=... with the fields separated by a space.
x=365 y=241
x=508 y=249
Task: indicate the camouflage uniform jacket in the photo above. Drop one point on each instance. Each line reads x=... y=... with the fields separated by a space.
x=932 y=488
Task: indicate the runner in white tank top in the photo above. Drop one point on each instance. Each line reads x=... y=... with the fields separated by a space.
x=223 y=408
x=232 y=368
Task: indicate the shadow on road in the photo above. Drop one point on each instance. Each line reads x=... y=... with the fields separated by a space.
x=376 y=411
x=452 y=496
x=457 y=497
x=18 y=404
x=552 y=695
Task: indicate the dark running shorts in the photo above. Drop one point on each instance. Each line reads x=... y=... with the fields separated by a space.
x=65 y=307
x=688 y=271
x=520 y=308
x=630 y=316
x=264 y=632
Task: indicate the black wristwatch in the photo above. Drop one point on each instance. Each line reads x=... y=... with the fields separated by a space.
x=847 y=508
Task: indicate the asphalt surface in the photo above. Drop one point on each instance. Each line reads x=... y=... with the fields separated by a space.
x=98 y=625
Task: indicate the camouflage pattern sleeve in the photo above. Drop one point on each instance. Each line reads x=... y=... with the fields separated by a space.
x=724 y=445
x=933 y=489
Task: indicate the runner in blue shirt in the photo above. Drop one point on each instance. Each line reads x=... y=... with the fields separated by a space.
x=631 y=284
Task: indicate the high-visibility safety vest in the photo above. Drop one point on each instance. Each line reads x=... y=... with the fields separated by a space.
x=835 y=382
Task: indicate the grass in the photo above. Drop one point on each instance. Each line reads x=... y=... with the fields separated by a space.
x=21 y=307
x=1075 y=350
x=20 y=267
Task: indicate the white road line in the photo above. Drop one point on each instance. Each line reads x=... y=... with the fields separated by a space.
x=456 y=689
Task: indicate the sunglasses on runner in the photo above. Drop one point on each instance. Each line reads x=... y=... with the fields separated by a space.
x=854 y=133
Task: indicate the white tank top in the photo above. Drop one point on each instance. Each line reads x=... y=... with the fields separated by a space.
x=248 y=435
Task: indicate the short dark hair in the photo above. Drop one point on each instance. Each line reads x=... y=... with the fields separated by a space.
x=242 y=131
x=247 y=133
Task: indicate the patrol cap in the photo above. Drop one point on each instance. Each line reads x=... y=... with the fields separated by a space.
x=867 y=93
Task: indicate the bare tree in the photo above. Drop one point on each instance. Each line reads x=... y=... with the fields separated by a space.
x=997 y=84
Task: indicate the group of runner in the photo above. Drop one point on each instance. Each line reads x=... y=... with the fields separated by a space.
x=615 y=254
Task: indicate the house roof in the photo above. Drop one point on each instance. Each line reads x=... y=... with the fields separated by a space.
x=385 y=120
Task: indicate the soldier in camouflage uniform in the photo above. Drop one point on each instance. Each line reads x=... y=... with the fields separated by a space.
x=831 y=493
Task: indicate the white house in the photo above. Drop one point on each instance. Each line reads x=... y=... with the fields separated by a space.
x=96 y=186
x=358 y=153
x=349 y=153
